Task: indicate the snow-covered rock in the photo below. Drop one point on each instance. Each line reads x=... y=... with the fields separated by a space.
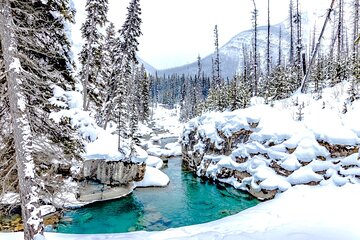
x=263 y=148
x=153 y=178
x=155 y=162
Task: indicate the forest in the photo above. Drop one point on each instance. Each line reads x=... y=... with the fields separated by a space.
x=42 y=139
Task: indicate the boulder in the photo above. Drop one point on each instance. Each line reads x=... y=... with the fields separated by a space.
x=113 y=173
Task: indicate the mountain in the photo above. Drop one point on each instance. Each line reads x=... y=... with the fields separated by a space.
x=150 y=69
x=231 y=54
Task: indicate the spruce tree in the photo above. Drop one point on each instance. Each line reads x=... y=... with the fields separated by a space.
x=145 y=95
x=281 y=84
x=117 y=101
x=90 y=56
x=36 y=56
x=107 y=75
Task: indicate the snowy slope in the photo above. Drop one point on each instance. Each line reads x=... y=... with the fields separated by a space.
x=231 y=54
x=266 y=149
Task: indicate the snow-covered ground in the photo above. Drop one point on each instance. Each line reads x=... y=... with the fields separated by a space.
x=279 y=151
x=301 y=213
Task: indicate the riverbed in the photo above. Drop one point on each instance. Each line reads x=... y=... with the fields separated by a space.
x=187 y=200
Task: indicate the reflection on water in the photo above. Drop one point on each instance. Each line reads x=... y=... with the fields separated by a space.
x=186 y=201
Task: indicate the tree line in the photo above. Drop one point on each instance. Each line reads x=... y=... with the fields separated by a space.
x=35 y=58
x=277 y=74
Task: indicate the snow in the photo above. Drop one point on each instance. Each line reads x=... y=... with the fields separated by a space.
x=270 y=137
x=304 y=175
x=298 y=211
x=9 y=198
x=155 y=162
x=16 y=65
x=47 y=209
x=39 y=237
x=153 y=178
x=160 y=152
x=301 y=213
x=351 y=160
x=291 y=163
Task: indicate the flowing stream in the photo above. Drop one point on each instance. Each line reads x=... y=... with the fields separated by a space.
x=187 y=200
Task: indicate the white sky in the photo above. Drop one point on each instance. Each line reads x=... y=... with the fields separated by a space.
x=175 y=32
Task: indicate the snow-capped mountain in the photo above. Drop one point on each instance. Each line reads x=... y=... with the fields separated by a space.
x=232 y=53
x=150 y=69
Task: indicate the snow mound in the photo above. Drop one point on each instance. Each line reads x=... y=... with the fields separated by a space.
x=153 y=178
x=155 y=162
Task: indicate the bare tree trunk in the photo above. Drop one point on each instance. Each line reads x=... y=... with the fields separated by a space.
x=255 y=91
x=33 y=223
x=306 y=77
x=298 y=43
x=291 y=60
x=340 y=32
x=280 y=50
x=268 y=42
x=356 y=29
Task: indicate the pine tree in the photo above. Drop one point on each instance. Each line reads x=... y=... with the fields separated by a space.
x=216 y=64
x=281 y=84
x=90 y=56
x=318 y=78
x=127 y=46
x=299 y=46
x=300 y=113
x=280 y=47
x=239 y=93
x=145 y=95
x=36 y=56
x=107 y=75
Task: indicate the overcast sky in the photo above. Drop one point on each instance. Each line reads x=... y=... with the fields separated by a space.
x=175 y=32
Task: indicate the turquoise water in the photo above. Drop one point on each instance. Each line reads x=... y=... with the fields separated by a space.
x=186 y=201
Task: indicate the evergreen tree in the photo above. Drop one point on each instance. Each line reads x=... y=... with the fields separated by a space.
x=318 y=78
x=239 y=93
x=281 y=84
x=90 y=56
x=107 y=75
x=144 y=90
x=216 y=64
x=117 y=102
x=36 y=56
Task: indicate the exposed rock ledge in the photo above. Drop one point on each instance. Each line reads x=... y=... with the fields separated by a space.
x=237 y=149
x=113 y=173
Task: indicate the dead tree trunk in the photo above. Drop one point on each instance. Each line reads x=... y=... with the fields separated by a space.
x=306 y=77
x=33 y=223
